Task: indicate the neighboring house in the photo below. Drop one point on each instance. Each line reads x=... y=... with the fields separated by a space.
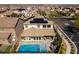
x=11 y=25
x=77 y=10
x=38 y=29
x=5 y=38
x=2 y=10
x=20 y=11
x=66 y=9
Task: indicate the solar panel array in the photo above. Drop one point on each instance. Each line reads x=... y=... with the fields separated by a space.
x=39 y=20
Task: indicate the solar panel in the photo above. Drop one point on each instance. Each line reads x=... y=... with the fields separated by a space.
x=20 y=9
x=38 y=20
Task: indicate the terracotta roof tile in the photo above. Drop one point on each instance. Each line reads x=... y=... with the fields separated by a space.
x=8 y=22
x=38 y=32
x=4 y=35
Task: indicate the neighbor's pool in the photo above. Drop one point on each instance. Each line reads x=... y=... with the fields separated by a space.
x=32 y=48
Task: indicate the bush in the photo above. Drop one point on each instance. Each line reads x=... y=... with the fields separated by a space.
x=7 y=50
x=77 y=22
x=14 y=15
x=62 y=50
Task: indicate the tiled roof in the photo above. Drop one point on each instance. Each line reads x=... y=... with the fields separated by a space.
x=4 y=35
x=38 y=32
x=8 y=22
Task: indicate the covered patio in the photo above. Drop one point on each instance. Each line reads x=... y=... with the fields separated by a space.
x=38 y=38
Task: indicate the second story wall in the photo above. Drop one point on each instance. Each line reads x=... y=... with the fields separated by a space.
x=39 y=26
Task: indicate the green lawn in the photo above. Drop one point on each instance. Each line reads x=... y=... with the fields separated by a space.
x=77 y=22
x=7 y=50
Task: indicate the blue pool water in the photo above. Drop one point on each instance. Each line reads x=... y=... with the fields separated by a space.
x=32 y=48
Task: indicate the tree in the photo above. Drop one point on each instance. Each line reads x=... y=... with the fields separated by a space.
x=14 y=15
x=43 y=13
x=77 y=22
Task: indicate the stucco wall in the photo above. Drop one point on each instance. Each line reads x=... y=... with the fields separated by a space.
x=35 y=26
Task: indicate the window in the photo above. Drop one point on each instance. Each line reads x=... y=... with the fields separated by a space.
x=44 y=26
x=38 y=26
x=48 y=26
x=39 y=38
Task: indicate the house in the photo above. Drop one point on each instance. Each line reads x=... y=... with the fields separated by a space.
x=77 y=11
x=20 y=11
x=11 y=25
x=38 y=28
x=5 y=38
x=3 y=9
x=66 y=9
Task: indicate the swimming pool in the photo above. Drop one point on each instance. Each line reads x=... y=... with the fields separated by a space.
x=32 y=48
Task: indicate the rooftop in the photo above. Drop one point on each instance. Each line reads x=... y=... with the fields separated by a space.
x=38 y=32
x=4 y=35
x=38 y=20
x=9 y=22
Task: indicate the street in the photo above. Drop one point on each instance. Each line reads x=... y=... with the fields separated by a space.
x=73 y=36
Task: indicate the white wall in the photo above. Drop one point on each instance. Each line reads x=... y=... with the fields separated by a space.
x=16 y=11
x=51 y=26
x=29 y=26
x=35 y=26
x=23 y=12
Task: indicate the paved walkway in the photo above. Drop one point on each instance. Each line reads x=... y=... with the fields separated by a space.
x=66 y=42
x=66 y=39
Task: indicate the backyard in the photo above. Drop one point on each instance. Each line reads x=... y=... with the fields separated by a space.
x=77 y=22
